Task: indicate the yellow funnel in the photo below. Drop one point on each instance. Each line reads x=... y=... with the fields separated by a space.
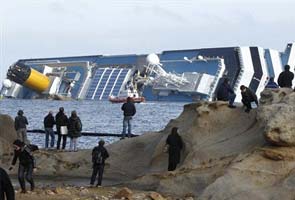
x=37 y=81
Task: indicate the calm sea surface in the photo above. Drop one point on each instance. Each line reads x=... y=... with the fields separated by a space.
x=96 y=116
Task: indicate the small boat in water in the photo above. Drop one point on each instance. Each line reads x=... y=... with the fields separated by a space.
x=114 y=99
x=131 y=91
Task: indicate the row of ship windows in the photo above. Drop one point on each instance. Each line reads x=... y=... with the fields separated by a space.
x=91 y=91
x=110 y=80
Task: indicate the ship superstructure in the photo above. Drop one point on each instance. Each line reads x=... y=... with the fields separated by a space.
x=179 y=75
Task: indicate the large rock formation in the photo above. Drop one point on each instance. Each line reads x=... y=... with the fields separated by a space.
x=226 y=155
x=215 y=138
x=278 y=115
x=7 y=135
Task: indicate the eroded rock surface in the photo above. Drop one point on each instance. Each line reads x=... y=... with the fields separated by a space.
x=277 y=113
x=7 y=135
x=228 y=154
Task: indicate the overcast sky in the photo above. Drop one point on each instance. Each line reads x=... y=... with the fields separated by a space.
x=54 y=28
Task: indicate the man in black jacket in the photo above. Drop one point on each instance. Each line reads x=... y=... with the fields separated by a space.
x=6 y=188
x=286 y=77
x=129 y=111
x=248 y=96
x=61 y=120
x=23 y=152
x=99 y=155
x=226 y=93
x=48 y=125
x=20 y=124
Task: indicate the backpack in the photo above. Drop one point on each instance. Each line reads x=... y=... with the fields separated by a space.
x=78 y=125
x=27 y=154
x=98 y=159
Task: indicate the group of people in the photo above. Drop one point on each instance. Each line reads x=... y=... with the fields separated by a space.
x=23 y=151
x=68 y=127
x=27 y=165
x=249 y=99
x=226 y=93
x=65 y=127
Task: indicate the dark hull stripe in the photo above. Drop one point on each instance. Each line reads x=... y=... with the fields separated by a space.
x=257 y=69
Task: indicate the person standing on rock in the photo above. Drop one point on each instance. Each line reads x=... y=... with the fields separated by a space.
x=175 y=145
x=285 y=78
x=20 y=124
x=129 y=111
x=99 y=155
x=48 y=125
x=271 y=84
x=61 y=121
x=248 y=97
x=6 y=188
x=27 y=163
x=74 y=128
x=226 y=93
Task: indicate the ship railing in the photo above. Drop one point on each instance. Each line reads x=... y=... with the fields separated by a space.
x=160 y=72
x=91 y=134
x=171 y=87
x=167 y=80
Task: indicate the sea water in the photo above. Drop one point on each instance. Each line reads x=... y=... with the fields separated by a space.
x=96 y=116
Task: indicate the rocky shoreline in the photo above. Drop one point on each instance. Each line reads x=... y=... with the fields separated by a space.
x=228 y=154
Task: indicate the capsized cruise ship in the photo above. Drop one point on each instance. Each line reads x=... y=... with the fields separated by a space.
x=178 y=75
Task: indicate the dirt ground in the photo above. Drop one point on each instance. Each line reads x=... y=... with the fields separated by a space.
x=88 y=193
x=68 y=193
x=62 y=188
